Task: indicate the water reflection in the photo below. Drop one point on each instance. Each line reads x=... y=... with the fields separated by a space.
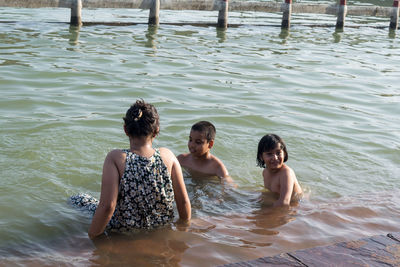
x=221 y=34
x=248 y=224
x=241 y=218
x=284 y=34
x=337 y=35
x=151 y=37
x=206 y=194
x=74 y=35
x=392 y=34
x=268 y=218
x=151 y=248
x=6 y=62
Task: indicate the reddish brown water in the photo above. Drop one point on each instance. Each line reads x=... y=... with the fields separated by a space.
x=221 y=239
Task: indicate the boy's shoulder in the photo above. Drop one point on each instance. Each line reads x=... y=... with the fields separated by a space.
x=213 y=159
x=218 y=166
x=185 y=159
x=183 y=156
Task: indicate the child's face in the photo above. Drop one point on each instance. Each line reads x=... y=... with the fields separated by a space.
x=198 y=144
x=274 y=158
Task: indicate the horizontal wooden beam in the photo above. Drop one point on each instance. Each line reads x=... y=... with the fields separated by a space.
x=234 y=5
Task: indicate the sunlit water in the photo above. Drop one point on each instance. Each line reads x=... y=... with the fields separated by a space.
x=333 y=97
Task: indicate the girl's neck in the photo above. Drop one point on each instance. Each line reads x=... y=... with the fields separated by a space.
x=142 y=145
x=276 y=170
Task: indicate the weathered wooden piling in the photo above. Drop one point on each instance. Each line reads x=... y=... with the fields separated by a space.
x=154 y=14
x=341 y=15
x=223 y=14
x=394 y=16
x=221 y=5
x=287 y=13
x=234 y=5
x=76 y=13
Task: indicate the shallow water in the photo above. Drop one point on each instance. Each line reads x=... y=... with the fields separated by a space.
x=333 y=97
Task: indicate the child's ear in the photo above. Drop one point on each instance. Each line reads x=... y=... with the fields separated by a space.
x=158 y=131
x=125 y=130
x=210 y=144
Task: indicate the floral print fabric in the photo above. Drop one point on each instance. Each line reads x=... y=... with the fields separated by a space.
x=145 y=198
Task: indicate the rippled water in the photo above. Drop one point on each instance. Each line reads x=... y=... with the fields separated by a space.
x=333 y=97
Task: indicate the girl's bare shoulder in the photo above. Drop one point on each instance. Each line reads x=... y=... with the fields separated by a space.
x=167 y=155
x=265 y=171
x=287 y=170
x=116 y=154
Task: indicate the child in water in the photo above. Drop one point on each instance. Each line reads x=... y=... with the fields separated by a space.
x=139 y=184
x=278 y=177
x=200 y=161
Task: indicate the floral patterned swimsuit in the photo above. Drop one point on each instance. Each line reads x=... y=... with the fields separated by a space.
x=145 y=197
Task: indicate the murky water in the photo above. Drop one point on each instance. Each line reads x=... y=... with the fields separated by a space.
x=333 y=97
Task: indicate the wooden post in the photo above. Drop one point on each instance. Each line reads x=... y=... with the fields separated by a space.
x=154 y=14
x=76 y=13
x=341 y=15
x=287 y=12
x=223 y=14
x=394 y=16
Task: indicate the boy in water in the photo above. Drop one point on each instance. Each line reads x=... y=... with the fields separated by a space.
x=200 y=161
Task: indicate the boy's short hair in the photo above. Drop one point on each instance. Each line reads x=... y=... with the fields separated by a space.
x=205 y=127
x=267 y=143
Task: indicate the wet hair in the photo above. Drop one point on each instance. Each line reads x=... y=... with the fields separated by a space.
x=142 y=119
x=267 y=143
x=205 y=127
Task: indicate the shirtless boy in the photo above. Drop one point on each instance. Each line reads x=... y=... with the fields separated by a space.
x=200 y=160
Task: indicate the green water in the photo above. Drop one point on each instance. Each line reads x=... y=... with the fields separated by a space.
x=333 y=97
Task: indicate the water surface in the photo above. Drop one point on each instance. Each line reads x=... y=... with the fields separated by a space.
x=333 y=97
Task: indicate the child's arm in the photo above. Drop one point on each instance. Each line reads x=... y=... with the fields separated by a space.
x=181 y=196
x=178 y=184
x=108 y=197
x=222 y=172
x=286 y=180
x=182 y=159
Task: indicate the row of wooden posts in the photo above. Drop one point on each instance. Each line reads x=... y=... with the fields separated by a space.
x=154 y=14
x=221 y=5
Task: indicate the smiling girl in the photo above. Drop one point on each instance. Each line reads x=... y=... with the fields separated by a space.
x=278 y=177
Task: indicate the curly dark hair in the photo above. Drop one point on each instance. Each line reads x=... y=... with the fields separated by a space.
x=142 y=119
x=267 y=143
